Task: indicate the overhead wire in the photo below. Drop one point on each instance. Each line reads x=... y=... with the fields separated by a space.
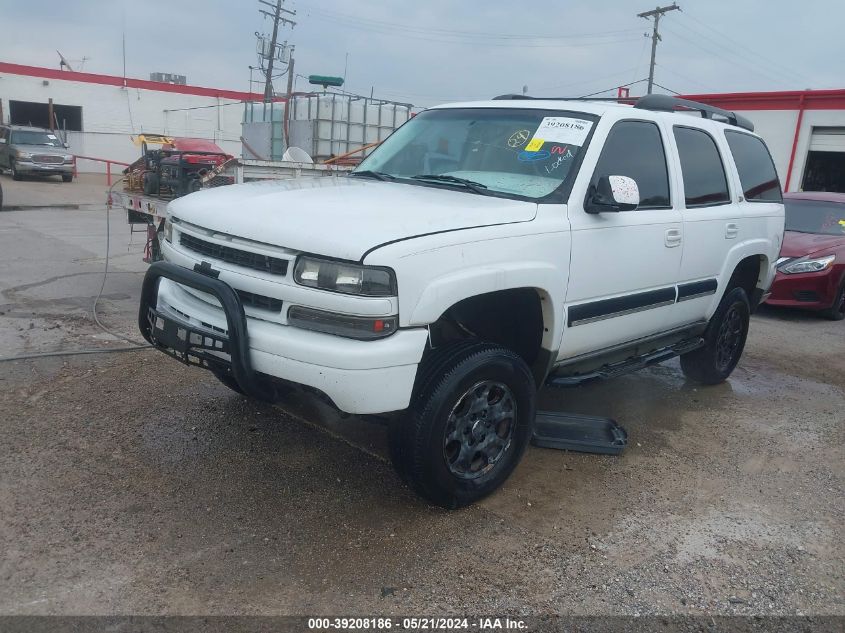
x=737 y=45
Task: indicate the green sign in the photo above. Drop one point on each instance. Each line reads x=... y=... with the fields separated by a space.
x=325 y=82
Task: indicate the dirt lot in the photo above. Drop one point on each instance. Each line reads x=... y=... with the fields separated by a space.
x=131 y=484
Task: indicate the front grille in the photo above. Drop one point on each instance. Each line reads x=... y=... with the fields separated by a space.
x=48 y=159
x=259 y=301
x=806 y=296
x=256 y=261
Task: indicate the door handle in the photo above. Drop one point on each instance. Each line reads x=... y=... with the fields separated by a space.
x=731 y=230
x=672 y=238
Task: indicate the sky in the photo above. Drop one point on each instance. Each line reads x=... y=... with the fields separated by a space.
x=436 y=51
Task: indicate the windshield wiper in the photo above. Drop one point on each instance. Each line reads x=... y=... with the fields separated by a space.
x=473 y=186
x=378 y=175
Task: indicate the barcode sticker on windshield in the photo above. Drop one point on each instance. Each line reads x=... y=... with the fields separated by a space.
x=561 y=129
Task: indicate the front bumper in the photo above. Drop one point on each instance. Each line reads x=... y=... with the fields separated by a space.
x=811 y=291
x=28 y=167
x=358 y=376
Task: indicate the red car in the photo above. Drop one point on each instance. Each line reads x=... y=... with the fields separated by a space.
x=811 y=268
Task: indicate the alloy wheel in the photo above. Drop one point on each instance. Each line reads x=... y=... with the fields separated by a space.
x=480 y=429
x=729 y=339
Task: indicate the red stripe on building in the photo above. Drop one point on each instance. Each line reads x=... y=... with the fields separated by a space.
x=143 y=84
x=786 y=100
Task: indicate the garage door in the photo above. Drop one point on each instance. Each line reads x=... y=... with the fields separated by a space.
x=828 y=139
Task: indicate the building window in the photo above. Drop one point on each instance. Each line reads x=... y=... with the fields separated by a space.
x=38 y=114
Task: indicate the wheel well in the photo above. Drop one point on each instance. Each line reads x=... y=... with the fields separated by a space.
x=746 y=275
x=510 y=318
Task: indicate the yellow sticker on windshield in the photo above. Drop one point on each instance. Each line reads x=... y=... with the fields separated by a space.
x=534 y=145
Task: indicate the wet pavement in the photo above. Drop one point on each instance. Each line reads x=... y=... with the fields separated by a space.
x=132 y=484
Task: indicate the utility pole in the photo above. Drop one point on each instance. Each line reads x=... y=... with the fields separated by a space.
x=277 y=18
x=655 y=36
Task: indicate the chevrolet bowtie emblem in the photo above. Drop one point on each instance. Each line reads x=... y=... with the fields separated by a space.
x=206 y=269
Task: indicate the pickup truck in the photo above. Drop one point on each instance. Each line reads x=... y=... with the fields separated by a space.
x=483 y=251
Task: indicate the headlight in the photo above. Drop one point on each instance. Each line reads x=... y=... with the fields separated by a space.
x=351 y=279
x=68 y=158
x=363 y=328
x=23 y=155
x=805 y=265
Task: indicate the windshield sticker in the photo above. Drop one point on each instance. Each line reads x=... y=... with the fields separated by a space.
x=564 y=130
x=518 y=138
x=527 y=157
x=52 y=137
x=534 y=145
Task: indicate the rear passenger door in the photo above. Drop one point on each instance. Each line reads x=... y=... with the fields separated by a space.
x=624 y=265
x=712 y=221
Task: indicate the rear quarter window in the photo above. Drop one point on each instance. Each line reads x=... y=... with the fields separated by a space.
x=756 y=170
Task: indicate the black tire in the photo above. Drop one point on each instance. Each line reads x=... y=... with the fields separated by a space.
x=16 y=175
x=836 y=312
x=470 y=419
x=67 y=177
x=152 y=184
x=724 y=341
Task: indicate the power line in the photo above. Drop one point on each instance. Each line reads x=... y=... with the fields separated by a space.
x=655 y=35
x=740 y=46
x=383 y=24
x=733 y=60
x=593 y=94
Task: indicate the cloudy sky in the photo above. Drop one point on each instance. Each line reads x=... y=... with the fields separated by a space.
x=445 y=50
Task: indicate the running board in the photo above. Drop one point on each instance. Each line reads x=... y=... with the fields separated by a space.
x=626 y=366
x=580 y=433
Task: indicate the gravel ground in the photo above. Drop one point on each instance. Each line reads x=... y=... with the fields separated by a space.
x=132 y=484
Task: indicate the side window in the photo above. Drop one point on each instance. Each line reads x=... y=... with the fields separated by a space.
x=704 y=177
x=635 y=149
x=756 y=170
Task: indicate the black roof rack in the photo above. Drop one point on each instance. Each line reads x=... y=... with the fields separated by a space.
x=667 y=103
x=517 y=97
x=659 y=103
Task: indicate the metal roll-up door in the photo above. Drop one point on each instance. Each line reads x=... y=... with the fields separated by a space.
x=828 y=139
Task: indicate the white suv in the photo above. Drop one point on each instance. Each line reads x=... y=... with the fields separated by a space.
x=483 y=251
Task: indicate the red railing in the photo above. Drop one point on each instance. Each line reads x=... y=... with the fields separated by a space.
x=108 y=163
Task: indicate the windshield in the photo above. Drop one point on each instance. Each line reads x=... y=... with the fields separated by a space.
x=508 y=152
x=29 y=137
x=815 y=216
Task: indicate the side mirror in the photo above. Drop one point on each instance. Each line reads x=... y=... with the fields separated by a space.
x=2 y=140
x=614 y=194
x=66 y=145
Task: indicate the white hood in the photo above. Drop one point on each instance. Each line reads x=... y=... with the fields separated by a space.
x=341 y=217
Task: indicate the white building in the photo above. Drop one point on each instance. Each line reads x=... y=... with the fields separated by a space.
x=805 y=131
x=101 y=112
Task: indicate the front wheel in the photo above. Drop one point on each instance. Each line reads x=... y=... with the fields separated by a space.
x=470 y=420
x=16 y=175
x=67 y=177
x=724 y=341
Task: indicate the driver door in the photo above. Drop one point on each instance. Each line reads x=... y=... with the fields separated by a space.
x=624 y=265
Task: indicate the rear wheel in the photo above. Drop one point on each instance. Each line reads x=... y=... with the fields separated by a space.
x=469 y=422
x=836 y=312
x=724 y=341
